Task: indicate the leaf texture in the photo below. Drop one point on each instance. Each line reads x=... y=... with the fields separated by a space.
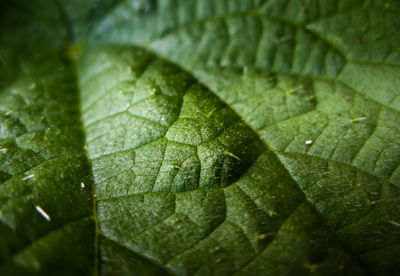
x=200 y=137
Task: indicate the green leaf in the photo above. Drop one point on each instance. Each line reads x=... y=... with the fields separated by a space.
x=200 y=137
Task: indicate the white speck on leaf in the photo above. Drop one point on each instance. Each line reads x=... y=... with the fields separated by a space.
x=309 y=142
x=42 y=212
x=290 y=91
x=232 y=155
x=395 y=223
x=28 y=177
x=82 y=185
x=355 y=120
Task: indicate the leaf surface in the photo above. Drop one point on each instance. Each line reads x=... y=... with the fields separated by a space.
x=202 y=137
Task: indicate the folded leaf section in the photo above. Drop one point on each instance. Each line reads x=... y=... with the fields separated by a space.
x=340 y=147
x=180 y=179
x=152 y=128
